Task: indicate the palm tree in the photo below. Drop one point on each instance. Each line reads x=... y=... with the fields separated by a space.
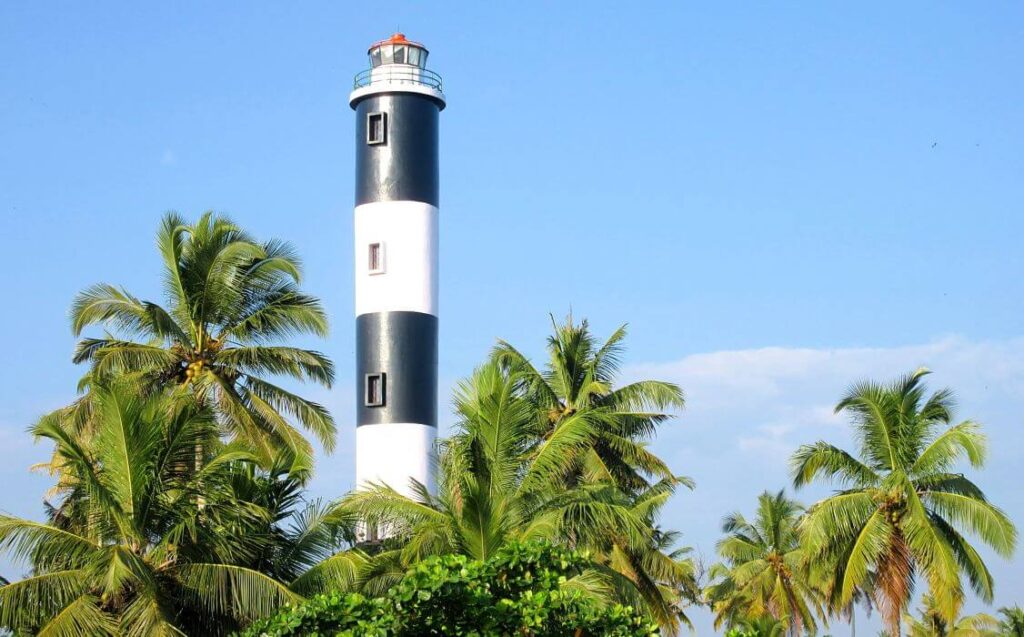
x=902 y=510
x=758 y=627
x=766 y=572
x=130 y=550
x=579 y=381
x=1012 y=624
x=231 y=301
x=499 y=482
x=934 y=623
x=297 y=541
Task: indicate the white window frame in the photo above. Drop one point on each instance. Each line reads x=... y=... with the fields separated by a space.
x=381 y=257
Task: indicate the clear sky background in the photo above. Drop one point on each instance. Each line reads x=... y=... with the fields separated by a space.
x=779 y=198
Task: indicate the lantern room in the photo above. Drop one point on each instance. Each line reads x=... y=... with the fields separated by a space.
x=397 y=64
x=398 y=50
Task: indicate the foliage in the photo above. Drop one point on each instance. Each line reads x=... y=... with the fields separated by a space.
x=502 y=481
x=760 y=627
x=179 y=505
x=933 y=623
x=765 y=573
x=121 y=554
x=577 y=385
x=902 y=509
x=521 y=590
x=230 y=302
x=1012 y=624
x=141 y=543
x=342 y=614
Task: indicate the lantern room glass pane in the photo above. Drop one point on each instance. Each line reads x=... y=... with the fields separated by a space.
x=423 y=58
x=387 y=54
x=400 y=54
x=414 y=56
x=375 y=57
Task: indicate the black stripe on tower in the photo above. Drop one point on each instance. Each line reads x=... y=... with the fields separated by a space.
x=402 y=346
x=404 y=167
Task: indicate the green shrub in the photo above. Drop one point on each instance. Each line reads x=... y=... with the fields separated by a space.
x=520 y=591
x=329 y=616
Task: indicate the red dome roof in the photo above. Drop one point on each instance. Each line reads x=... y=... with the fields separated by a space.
x=398 y=38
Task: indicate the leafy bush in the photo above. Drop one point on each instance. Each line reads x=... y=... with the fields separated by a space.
x=525 y=589
x=327 y=616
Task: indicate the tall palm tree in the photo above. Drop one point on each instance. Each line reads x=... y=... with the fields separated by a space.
x=902 y=510
x=500 y=482
x=129 y=550
x=231 y=301
x=1012 y=624
x=933 y=623
x=579 y=381
x=766 y=571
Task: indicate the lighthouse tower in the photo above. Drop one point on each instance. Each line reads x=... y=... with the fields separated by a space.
x=397 y=102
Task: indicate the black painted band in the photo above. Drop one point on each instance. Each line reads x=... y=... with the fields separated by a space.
x=402 y=346
x=405 y=166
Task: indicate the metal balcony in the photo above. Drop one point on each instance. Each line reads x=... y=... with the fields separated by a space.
x=398 y=74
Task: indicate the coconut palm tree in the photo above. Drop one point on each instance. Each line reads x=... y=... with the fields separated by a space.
x=130 y=550
x=231 y=301
x=766 y=571
x=758 y=627
x=297 y=541
x=500 y=482
x=579 y=381
x=933 y=623
x=1012 y=624
x=902 y=509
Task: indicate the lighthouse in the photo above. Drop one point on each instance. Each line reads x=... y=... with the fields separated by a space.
x=397 y=102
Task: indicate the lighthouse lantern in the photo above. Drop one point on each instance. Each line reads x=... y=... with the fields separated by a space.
x=398 y=50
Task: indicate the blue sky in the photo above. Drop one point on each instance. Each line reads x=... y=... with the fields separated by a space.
x=779 y=198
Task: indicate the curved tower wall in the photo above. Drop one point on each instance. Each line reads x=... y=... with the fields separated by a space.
x=396 y=283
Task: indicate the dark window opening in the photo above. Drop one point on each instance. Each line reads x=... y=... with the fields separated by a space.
x=376 y=128
x=374 y=390
x=376 y=258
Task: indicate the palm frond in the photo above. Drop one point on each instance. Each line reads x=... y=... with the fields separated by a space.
x=964 y=440
x=297 y=363
x=830 y=462
x=81 y=617
x=240 y=592
x=979 y=516
x=35 y=600
x=310 y=415
x=339 y=572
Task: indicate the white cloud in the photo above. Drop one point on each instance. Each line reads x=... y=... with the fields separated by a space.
x=765 y=397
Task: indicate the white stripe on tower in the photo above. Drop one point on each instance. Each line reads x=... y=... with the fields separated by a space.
x=405 y=233
x=397 y=102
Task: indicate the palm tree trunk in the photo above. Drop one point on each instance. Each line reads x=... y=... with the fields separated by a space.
x=200 y=500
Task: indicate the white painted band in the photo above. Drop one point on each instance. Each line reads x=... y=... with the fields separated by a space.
x=408 y=234
x=393 y=453
x=396 y=87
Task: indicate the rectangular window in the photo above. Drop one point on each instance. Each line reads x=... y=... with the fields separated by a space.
x=375 y=258
x=374 y=390
x=376 y=128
